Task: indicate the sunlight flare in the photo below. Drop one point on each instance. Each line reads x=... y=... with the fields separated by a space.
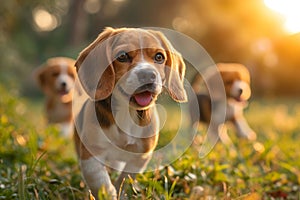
x=44 y=21
x=289 y=11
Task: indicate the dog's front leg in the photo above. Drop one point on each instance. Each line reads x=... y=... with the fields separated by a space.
x=96 y=177
x=243 y=129
x=132 y=168
x=66 y=129
x=216 y=129
x=239 y=121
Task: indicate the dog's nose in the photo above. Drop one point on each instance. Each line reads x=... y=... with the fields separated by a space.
x=63 y=84
x=146 y=76
x=240 y=91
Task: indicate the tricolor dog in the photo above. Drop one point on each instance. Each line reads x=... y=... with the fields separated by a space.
x=56 y=78
x=236 y=81
x=122 y=73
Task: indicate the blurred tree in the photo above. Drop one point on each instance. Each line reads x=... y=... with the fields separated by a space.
x=230 y=30
x=77 y=22
x=246 y=32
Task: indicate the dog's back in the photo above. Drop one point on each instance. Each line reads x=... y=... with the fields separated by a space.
x=203 y=100
x=204 y=103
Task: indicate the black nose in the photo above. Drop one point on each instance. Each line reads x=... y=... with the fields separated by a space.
x=147 y=76
x=63 y=84
x=240 y=91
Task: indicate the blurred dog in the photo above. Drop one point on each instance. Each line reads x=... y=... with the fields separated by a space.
x=136 y=64
x=236 y=80
x=56 y=78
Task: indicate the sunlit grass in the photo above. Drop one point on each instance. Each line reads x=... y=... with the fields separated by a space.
x=36 y=163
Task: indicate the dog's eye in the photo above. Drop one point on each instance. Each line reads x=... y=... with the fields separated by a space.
x=122 y=56
x=55 y=74
x=71 y=75
x=229 y=82
x=159 y=58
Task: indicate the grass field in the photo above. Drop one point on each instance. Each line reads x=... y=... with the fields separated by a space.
x=36 y=163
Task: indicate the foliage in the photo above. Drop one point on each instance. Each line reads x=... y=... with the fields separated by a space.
x=34 y=162
x=227 y=29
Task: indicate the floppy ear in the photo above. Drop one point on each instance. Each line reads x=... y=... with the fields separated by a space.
x=94 y=63
x=238 y=68
x=176 y=78
x=175 y=70
x=39 y=75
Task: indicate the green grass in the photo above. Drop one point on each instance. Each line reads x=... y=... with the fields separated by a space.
x=36 y=163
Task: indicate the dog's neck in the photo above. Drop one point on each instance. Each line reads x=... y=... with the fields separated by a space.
x=52 y=102
x=67 y=98
x=60 y=99
x=106 y=114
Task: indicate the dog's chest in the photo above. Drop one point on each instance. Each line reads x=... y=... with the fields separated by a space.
x=114 y=143
x=58 y=111
x=121 y=139
x=234 y=109
x=129 y=135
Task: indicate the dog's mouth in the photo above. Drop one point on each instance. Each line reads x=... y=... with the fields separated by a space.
x=241 y=97
x=143 y=96
x=142 y=99
x=63 y=91
x=238 y=98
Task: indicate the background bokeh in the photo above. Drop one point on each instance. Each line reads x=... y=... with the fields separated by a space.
x=248 y=32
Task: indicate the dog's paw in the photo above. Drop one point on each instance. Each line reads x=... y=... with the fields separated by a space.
x=247 y=134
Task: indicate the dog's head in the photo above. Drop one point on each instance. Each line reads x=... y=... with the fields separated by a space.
x=57 y=76
x=236 y=80
x=137 y=63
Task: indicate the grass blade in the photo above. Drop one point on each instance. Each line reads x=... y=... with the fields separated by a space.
x=21 y=182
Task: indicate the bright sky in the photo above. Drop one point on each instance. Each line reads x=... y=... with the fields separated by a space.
x=290 y=12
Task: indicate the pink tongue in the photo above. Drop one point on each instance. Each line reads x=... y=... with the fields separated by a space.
x=143 y=99
x=63 y=92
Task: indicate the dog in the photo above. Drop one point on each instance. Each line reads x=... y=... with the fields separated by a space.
x=136 y=66
x=236 y=81
x=56 y=78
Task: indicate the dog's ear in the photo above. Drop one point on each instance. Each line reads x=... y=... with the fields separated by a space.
x=240 y=70
x=40 y=76
x=175 y=70
x=95 y=63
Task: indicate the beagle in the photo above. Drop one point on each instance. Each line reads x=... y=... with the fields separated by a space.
x=236 y=81
x=131 y=67
x=56 y=78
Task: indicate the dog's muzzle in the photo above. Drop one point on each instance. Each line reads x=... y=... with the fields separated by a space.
x=149 y=89
x=142 y=85
x=240 y=91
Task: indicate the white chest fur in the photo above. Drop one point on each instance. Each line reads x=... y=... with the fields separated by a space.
x=112 y=144
x=60 y=112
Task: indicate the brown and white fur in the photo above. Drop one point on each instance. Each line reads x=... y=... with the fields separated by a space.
x=140 y=63
x=56 y=78
x=236 y=80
